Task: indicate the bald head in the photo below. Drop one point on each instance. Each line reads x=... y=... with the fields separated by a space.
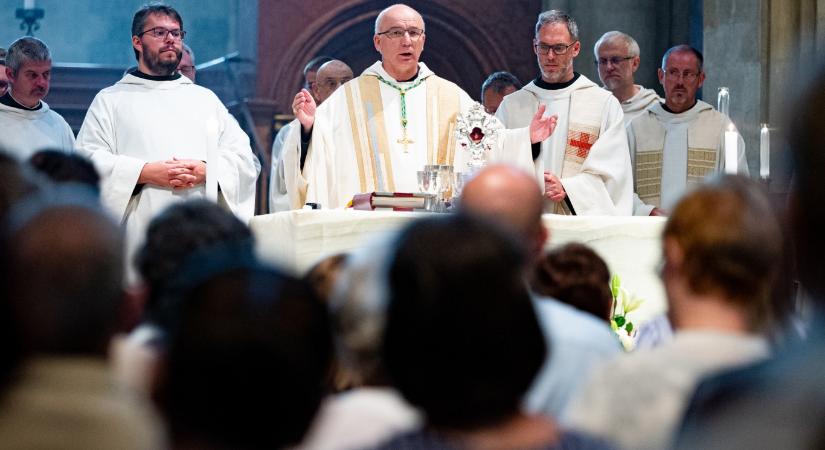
x=400 y=10
x=329 y=77
x=511 y=197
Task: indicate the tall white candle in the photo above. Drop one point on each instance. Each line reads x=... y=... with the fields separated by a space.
x=764 y=151
x=731 y=150
x=212 y=132
x=28 y=4
x=723 y=101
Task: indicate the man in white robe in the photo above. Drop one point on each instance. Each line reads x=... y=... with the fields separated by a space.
x=584 y=166
x=329 y=77
x=157 y=138
x=376 y=132
x=27 y=122
x=4 y=80
x=617 y=58
x=676 y=144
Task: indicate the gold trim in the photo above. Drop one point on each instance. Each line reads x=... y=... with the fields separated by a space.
x=374 y=113
x=356 y=137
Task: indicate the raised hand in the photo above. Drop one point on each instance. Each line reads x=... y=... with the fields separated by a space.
x=542 y=127
x=303 y=106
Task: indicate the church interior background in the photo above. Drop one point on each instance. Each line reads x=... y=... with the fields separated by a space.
x=251 y=52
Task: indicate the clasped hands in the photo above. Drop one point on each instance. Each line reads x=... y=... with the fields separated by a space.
x=174 y=173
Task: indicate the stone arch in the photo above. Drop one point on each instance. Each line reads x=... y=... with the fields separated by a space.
x=457 y=49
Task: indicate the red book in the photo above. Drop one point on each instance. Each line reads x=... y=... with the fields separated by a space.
x=395 y=201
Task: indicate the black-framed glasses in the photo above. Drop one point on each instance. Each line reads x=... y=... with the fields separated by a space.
x=687 y=75
x=559 y=49
x=161 y=33
x=397 y=33
x=614 y=60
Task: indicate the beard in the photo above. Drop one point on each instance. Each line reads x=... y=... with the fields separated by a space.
x=160 y=66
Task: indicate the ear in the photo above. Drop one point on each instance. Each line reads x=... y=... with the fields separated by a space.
x=137 y=44
x=9 y=74
x=376 y=40
x=661 y=74
x=634 y=63
x=673 y=254
x=577 y=48
x=701 y=79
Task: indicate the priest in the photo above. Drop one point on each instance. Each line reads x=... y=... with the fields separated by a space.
x=584 y=166
x=27 y=122
x=676 y=144
x=379 y=129
x=157 y=138
x=617 y=58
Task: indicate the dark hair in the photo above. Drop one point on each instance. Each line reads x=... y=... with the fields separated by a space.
x=63 y=167
x=323 y=274
x=178 y=233
x=462 y=341
x=576 y=275
x=65 y=272
x=141 y=15
x=246 y=340
x=684 y=48
x=499 y=81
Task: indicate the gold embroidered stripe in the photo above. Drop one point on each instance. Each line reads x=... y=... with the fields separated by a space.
x=377 y=133
x=701 y=162
x=357 y=138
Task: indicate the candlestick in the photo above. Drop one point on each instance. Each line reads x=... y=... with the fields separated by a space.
x=764 y=152
x=28 y=4
x=723 y=101
x=731 y=150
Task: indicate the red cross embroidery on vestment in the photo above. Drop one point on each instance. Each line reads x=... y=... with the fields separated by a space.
x=582 y=142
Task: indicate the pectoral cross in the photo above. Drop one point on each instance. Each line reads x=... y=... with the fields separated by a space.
x=405 y=140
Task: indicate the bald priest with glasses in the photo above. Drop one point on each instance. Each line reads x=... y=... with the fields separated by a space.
x=584 y=166
x=676 y=144
x=156 y=138
x=378 y=130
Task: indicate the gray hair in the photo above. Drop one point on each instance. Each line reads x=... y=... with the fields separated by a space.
x=24 y=50
x=632 y=45
x=384 y=12
x=556 y=16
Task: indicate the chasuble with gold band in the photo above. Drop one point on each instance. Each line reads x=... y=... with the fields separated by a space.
x=375 y=133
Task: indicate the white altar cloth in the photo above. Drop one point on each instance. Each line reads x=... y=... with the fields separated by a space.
x=631 y=246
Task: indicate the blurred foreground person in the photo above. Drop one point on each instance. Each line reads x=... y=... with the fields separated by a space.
x=722 y=248
x=64 y=279
x=779 y=404
x=462 y=281
x=248 y=356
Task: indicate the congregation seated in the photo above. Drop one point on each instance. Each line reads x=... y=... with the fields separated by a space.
x=247 y=356
x=721 y=246
x=462 y=341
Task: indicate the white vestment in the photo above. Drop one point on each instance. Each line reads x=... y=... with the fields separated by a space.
x=278 y=198
x=588 y=149
x=635 y=105
x=26 y=132
x=671 y=152
x=355 y=145
x=138 y=121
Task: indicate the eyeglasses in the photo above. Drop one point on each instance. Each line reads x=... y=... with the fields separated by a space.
x=559 y=49
x=332 y=83
x=396 y=33
x=614 y=60
x=686 y=75
x=161 y=33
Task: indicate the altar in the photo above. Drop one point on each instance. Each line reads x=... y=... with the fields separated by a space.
x=295 y=240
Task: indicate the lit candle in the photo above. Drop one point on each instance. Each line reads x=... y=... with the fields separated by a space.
x=731 y=150
x=723 y=101
x=28 y=4
x=764 y=152
x=212 y=132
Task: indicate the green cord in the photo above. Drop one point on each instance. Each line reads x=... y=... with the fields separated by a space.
x=403 y=93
